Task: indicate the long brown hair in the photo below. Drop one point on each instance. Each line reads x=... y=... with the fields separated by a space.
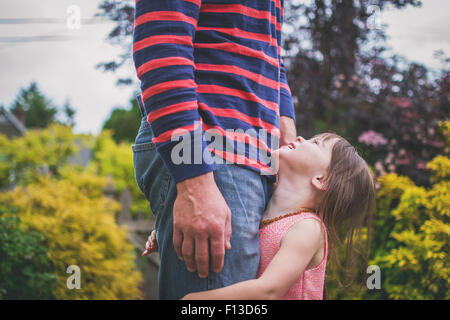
x=347 y=204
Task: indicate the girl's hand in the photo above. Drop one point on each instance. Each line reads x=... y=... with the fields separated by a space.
x=151 y=245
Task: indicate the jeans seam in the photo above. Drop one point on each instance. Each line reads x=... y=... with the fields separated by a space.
x=238 y=195
x=146 y=146
x=212 y=277
x=164 y=192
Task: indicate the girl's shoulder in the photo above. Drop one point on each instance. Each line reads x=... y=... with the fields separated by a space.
x=308 y=229
x=307 y=235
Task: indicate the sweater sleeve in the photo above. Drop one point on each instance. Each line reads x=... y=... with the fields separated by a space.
x=163 y=54
x=286 y=104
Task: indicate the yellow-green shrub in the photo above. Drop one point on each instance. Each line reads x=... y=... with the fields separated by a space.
x=24 y=159
x=410 y=240
x=78 y=224
x=413 y=235
x=116 y=161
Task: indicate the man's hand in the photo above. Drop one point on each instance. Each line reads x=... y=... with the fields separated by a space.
x=201 y=224
x=288 y=131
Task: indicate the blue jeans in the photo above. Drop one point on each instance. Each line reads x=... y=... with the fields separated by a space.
x=246 y=193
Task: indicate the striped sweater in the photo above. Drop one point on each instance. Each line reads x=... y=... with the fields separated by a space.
x=212 y=65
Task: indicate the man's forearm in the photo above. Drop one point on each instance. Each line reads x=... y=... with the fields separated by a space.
x=195 y=184
x=288 y=131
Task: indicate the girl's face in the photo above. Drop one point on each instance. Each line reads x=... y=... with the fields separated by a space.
x=308 y=158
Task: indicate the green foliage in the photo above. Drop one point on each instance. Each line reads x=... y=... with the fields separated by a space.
x=124 y=123
x=39 y=152
x=79 y=227
x=38 y=111
x=44 y=152
x=411 y=238
x=65 y=203
x=25 y=268
x=116 y=161
x=345 y=82
x=416 y=264
x=440 y=167
x=69 y=114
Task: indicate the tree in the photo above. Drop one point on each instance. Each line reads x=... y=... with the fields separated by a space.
x=38 y=110
x=69 y=114
x=124 y=123
x=122 y=14
x=342 y=80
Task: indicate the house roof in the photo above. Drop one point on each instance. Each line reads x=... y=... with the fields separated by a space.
x=10 y=125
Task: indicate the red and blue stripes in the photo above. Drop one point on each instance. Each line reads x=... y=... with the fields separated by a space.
x=208 y=64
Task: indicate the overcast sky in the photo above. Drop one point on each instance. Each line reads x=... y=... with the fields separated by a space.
x=62 y=61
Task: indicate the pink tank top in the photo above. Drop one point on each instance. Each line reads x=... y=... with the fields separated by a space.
x=310 y=284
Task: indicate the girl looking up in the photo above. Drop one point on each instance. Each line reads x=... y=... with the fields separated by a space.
x=322 y=185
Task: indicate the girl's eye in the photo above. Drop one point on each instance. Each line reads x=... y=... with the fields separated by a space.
x=316 y=142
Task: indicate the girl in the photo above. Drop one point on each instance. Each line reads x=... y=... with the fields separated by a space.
x=322 y=183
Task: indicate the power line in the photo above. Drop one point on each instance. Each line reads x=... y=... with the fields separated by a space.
x=94 y=20
x=46 y=38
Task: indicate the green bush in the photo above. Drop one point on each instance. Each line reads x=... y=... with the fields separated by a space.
x=115 y=160
x=25 y=268
x=79 y=227
x=40 y=152
x=411 y=239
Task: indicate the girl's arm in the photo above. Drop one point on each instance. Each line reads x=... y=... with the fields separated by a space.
x=298 y=246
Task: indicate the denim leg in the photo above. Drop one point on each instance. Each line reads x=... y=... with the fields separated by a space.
x=246 y=193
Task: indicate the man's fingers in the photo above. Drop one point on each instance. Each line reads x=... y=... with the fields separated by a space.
x=202 y=256
x=228 y=231
x=217 y=252
x=177 y=243
x=219 y=243
x=187 y=251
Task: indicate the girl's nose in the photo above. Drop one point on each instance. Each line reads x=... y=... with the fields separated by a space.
x=299 y=139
